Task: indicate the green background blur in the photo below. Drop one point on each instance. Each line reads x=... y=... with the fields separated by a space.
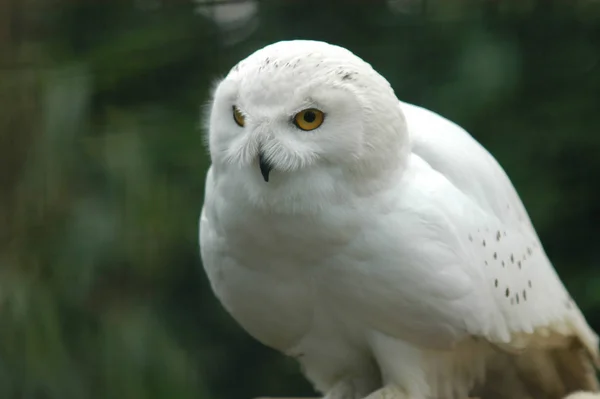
x=102 y=163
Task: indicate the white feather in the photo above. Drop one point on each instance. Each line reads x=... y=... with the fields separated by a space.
x=387 y=240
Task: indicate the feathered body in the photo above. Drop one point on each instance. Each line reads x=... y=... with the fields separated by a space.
x=387 y=248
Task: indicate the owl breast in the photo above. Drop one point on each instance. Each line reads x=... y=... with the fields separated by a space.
x=263 y=271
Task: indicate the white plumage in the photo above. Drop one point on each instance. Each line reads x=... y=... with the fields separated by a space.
x=387 y=248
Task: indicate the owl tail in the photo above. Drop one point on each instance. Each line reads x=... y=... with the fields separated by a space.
x=541 y=374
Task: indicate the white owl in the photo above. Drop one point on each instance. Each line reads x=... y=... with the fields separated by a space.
x=377 y=242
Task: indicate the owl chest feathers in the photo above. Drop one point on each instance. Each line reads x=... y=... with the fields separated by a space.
x=265 y=268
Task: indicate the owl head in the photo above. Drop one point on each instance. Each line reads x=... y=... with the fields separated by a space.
x=301 y=112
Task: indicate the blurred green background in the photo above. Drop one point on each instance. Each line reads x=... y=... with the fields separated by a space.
x=102 y=166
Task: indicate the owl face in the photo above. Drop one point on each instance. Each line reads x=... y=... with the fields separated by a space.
x=295 y=110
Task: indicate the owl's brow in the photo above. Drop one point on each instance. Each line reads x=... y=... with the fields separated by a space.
x=308 y=102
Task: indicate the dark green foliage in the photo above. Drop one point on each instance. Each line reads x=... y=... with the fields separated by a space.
x=101 y=287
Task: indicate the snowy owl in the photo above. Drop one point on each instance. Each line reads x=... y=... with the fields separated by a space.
x=377 y=242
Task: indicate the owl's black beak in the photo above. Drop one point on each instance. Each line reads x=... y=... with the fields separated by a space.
x=265 y=166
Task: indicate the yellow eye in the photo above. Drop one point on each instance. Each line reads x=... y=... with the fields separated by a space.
x=309 y=119
x=238 y=117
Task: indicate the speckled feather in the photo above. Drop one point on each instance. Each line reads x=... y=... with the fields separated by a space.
x=387 y=248
x=526 y=287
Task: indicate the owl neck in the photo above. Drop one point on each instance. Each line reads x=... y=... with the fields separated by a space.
x=310 y=192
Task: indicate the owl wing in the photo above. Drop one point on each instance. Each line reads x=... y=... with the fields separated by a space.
x=457 y=256
x=470 y=168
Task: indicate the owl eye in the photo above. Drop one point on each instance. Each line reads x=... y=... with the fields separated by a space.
x=238 y=117
x=309 y=119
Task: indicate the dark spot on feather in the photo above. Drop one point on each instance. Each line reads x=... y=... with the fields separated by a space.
x=484 y=243
x=470 y=238
x=524 y=295
x=519 y=263
x=512 y=258
x=507 y=292
x=498 y=236
x=529 y=283
x=495 y=255
x=517 y=298
x=495 y=282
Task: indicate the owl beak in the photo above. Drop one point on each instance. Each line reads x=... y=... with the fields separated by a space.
x=265 y=166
